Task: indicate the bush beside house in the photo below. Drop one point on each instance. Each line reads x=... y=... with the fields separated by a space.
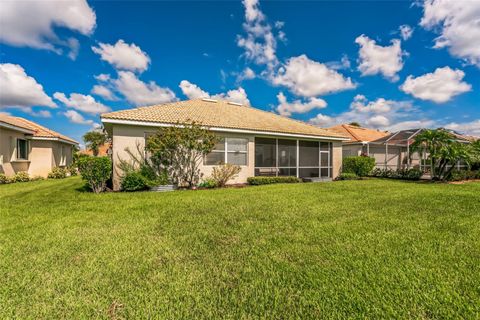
x=359 y=165
x=96 y=171
x=257 y=181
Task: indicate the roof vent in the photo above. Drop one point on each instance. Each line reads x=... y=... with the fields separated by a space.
x=209 y=100
x=235 y=103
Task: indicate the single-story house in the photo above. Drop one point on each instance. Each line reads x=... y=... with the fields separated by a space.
x=261 y=143
x=30 y=147
x=390 y=150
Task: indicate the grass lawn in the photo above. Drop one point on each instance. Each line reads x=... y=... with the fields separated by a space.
x=357 y=249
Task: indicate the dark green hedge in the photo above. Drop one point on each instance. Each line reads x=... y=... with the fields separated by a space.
x=256 y=181
x=360 y=165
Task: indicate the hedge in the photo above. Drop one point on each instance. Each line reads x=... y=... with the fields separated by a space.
x=359 y=165
x=95 y=171
x=256 y=181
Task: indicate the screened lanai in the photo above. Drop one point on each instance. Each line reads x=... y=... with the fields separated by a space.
x=287 y=157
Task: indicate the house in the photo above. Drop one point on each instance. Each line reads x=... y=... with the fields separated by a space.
x=30 y=147
x=261 y=143
x=390 y=150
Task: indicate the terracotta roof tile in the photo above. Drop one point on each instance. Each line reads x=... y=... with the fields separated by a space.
x=219 y=114
x=359 y=134
x=38 y=130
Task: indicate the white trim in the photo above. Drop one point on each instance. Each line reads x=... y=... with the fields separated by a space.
x=54 y=139
x=12 y=127
x=267 y=133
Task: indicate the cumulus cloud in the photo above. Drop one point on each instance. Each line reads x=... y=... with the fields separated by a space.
x=104 y=92
x=75 y=117
x=308 y=78
x=259 y=43
x=17 y=89
x=141 y=93
x=32 y=23
x=458 y=23
x=406 y=31
x=343 y=64
x=286 y=108
x=440 y=86
x=192 y=91
x=470 y=128
x=246 y=74
x=380 y=113
x=375 y=59
x=102 y=77
x=81 y=102
x=123 y=56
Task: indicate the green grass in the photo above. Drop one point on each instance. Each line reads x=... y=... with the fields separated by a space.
x=352 y=249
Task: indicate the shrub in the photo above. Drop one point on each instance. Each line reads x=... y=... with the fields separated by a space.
x=224 y=173
x=72 y=170
x=460 y=175
x=134 y=181
x=57 y=173
x=95 y=171
x=404 y=174
x=158 y=180
x=359 y=165
x=21 y=176
x=37 y=178
x=348 y=176
x=208 y=183
x=257 y=181
x=4 y=179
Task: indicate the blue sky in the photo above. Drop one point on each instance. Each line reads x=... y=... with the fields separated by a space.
x=324 y=62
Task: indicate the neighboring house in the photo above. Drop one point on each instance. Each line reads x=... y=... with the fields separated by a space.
x=103 y=151
x=390 y=150
x=261 y=143
x=30 y=147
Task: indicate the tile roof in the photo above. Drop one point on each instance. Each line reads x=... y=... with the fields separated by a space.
x=219 y=114
x=359 y=134
x=36 y=129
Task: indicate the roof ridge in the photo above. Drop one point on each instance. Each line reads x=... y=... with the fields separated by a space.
x=349 y=131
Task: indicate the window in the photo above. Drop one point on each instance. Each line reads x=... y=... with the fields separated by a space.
x=228 y=150
x=63 y=157
x=22 y=149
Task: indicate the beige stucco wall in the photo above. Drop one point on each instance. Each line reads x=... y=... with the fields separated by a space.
x=42 y=157
x=350 y=150
x=125 y=136
x=8 y=164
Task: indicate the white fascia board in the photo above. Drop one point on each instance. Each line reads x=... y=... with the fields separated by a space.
x=55 y=139
x=267 y=133
x=12 y=127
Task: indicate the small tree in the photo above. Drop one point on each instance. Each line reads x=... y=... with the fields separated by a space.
x=360 y=165
x=224 y=173
x=355 y=124
x=95 y=171
x=93 y=140
x=180 y=150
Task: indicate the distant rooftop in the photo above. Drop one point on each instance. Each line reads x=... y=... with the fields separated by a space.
x=359 y=134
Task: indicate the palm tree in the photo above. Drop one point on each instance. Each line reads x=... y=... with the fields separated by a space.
x=93 y=140
x=433 y=141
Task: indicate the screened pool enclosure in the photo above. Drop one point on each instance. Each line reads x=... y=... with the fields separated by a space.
x=300 y=158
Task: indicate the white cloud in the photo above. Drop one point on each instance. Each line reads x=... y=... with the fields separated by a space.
x=236 y=95
x=140 y=93
x=81 y=102
x=471 y=128
x=286 y=108
x=123 y=56
x=102 y=77
x=406 y=31
x=17 y=89
x=440 y=86
x=379 y=113
x=104 y=92
x=74 y=46
x=458 y=23
x=378 y=121
x=375 y=59
x=308 y=78
x=76 y=117
x=412 y=124
x=246 y=74
x=343 y=64
x=192 y=91
x=259 y=43
x=31 y=23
